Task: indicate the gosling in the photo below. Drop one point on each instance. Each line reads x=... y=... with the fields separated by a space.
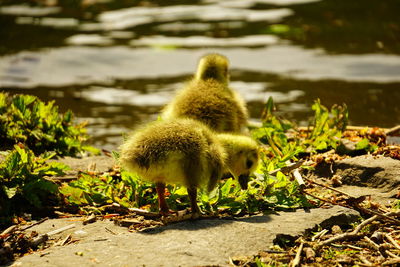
x=208 y=98
x=186 y=152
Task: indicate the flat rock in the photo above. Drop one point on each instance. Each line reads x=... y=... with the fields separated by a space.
x=374 y=171
x=379 y=195
x=189 y=243
x=366 y=170
x=377 y=176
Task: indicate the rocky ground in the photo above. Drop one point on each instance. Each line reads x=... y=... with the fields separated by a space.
x=189 y=243
x=206 y=242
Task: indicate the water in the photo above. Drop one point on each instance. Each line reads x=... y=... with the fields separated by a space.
x=115 y=64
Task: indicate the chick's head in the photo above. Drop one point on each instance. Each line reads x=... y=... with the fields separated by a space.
x=213 y=66
x=243 y=156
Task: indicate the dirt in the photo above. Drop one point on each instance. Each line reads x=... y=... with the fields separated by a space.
x=211 y=241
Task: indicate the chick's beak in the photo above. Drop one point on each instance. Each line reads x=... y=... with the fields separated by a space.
x=243 y=180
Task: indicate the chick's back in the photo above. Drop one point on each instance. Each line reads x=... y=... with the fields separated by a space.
x=211 y=102
x=180 y=151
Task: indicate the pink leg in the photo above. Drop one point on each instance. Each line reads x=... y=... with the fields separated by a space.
x=192 y=192
x=162 y=204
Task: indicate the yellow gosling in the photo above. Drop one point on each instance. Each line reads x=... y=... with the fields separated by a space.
x=242 y=156
x=187 y=152
x=208 y=98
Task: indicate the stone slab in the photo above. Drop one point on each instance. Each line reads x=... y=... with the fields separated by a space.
x=190 y=243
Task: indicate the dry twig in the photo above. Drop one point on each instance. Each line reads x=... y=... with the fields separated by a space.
x=297 y=259
x=145 y=213
x=365 y=261
x=288 y=168
x=176 y=218
x=62 y=242
x=299 y=179
x=90 y=219
x=326 y=186
x=348 y=128
x=9 y=230
x=352 y=234
x=385 y=215
x=371 y=244
x=391 y=262
x=62 y=229
x=353 y=247
x=391 y=254
x=33 y=224
x=358 y=207
x=392 y=241
x=392 y=131
x=319 y=234
x=108 y=230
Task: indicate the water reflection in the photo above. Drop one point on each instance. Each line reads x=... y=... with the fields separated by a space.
x=347 y=26
x=89 y=39
x=27 y=10
x=135 y=16
x=204 y=41
x=84 y=65
x=250 y=3
x=49 y=22
x=115 y=65
x=126 y=97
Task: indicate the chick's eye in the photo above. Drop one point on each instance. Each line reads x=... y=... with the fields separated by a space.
x=249 y=163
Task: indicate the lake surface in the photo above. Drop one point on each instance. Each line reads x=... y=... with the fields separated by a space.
x=116 y=63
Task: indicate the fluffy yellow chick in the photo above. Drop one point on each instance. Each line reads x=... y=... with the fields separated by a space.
x=186 y=152
x=208 y=98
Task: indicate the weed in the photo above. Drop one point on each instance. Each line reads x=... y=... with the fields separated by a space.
x=125 y=189
x=23 y=180
x=39 y=126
